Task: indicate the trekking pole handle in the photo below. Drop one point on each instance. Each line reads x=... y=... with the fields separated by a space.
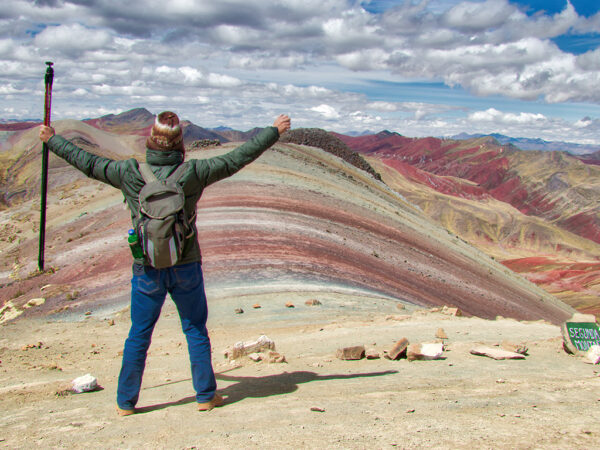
x=48 y=79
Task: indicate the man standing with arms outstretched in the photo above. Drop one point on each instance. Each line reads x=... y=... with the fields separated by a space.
x=165 y=152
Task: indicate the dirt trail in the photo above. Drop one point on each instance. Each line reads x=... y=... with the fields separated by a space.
x=548 y=400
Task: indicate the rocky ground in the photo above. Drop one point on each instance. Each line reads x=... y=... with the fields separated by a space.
x=298 y=224
x=314 y=400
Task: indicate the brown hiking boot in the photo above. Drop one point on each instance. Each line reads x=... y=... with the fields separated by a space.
x=215 y=402
x=125 y=412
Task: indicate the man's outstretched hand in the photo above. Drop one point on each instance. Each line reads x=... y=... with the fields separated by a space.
x=46 y=133
x=282 y=123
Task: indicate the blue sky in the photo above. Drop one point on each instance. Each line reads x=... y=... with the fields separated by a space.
x=421 y=68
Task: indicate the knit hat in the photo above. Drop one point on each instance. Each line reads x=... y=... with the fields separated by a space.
x=166 y=134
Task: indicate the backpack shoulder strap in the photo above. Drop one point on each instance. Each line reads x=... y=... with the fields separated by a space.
x=177 y=173
x=147 y=173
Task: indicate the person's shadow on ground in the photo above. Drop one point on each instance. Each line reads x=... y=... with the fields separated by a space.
x=265 y=386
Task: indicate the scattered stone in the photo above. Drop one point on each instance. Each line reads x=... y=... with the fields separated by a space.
x=256 y=306
x=88 y=313
x=400 y=306
x=372 y=354
x=410 y=411
x=245 y=348
x=500 y=381
x=289 y=305
x=256 y=357
x=580 y=332
x=516 y=348
x=451 y=311
x=276 y=358
x=398 y=318
x=441 y=334
x=238 y=311
x=28 y=346
x=593 y=354
x=351 y=353
x=63 y=392
x=317 y=409
x=399 y=349
x=85 y=383
x=111 y=322
x=35 y=302
x=495 y=353
x=425 y=352
x=312 y=302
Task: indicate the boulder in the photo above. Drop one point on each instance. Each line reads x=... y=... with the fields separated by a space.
x=351 y=353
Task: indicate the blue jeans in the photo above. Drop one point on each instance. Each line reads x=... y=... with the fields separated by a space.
x=149 y=289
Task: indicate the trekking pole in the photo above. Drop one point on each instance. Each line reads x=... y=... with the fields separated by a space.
x=47 y=106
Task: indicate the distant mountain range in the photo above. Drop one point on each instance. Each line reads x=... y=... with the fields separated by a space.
x=534 y=144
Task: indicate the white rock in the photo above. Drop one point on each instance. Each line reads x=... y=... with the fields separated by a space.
x=593 y=354
x=425 y=352
x=85 y=383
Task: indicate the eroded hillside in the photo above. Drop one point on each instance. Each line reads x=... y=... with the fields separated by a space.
x=535 y=211
x=297 y=220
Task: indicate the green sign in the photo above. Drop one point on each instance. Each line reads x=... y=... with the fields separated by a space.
x=583 y=334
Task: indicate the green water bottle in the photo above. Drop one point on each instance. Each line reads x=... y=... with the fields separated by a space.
x=134 y=245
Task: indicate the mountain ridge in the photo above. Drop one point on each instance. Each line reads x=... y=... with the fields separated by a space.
x=299 y=219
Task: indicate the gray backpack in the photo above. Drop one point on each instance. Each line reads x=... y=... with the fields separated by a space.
x=163 y=225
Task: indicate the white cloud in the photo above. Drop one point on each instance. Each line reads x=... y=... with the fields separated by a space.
x=250 y=59
x=72 y=39
x=493 y=115
x=383 y=106
x=327 y=111
x=10 y=89
x=479 y=16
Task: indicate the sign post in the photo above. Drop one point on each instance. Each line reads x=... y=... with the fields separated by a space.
x=580 y=333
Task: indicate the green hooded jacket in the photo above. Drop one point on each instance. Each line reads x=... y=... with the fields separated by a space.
x=200 y=173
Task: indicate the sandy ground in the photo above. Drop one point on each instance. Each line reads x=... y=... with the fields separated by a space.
x=548 y=400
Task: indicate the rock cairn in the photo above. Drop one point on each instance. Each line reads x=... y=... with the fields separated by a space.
x=203 y=143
